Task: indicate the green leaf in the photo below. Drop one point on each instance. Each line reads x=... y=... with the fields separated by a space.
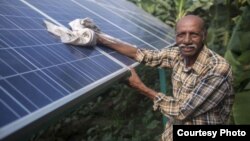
x=235 y=42
x=248 y=86
x=241 y=108
x=244 y=57
x=245 y=41
x=232 y=58
x=248 y=1
x=153 y=124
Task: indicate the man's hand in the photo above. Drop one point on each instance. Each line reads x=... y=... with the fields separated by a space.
x=135 y=82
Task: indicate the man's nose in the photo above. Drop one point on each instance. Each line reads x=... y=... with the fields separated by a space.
x=187 y=39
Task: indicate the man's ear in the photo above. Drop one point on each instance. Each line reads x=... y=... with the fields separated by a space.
x=204 y=36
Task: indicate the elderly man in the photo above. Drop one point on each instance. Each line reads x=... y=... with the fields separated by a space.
x=202 y=80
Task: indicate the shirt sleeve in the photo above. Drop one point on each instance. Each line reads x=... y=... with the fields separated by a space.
x=206 y=95
x=158 y=58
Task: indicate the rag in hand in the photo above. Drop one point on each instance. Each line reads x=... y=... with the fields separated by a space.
x=82 y=32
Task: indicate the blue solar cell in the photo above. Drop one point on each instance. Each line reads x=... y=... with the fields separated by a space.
x=11 y=2
x=35 y=56
x=72 y=74
x=65 y=14
x=39 y=74
x=20 y=97
x=5 y=70
x=52 y=83
x=127 y=61
x=42 y=36
x=12 y=104
x=104 y=63
x=126 y=24
x=43 y=86
x=66 y=53
x=5 y=24
x=88 y=51
x=15 y=62
x=36 y=96
x=3 y=44
x=27 y=12
x=87 y=67
x=12 y=38
x=8 y=10
x=24 y=23
x=8 y=115
x=56 y=77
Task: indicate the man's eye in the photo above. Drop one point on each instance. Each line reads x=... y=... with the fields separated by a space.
x=194 y=35
x=180 y=35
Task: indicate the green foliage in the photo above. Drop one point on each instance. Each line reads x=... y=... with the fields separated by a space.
x=238 y=49
x=241 y=116
x=169 y=11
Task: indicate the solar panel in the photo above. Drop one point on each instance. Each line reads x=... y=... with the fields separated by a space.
x=40 y=77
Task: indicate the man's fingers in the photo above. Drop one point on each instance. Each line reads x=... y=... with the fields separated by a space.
x=133 y=72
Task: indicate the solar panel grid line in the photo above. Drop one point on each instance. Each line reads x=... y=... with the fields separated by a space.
x=136 y=19
x=65 y=73
x=159 y=27
x=115 y=60
x=7 y=97
x=42 y=13
x=115 y=6
x=20 y=92
x=112 y=23
x=152 y=27
x=122 y=5
x=159 y=24
x=44 y=80
x=6 y=77
x=53 y=20
x=6 y=130
x=22 y=96
x=31 y=84
x=28 y=68
x=36 y=96
x=127 y=6
x=151 y=33
x=17 y=102
x=14 y=56
x=149 y=39
x=10 y=67
x=8 y=107
x=21 y=54
x=58 y=23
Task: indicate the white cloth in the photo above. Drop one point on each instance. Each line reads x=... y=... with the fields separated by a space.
x=79 y=34
x=83 y=32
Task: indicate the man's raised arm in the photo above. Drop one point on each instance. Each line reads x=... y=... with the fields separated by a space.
x=118 y=45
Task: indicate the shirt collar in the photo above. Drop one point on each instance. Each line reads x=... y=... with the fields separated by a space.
x=200 y=61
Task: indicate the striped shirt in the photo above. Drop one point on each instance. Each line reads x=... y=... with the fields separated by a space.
x=202 y=94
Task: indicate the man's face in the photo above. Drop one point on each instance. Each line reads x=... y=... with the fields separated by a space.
x=189 y=37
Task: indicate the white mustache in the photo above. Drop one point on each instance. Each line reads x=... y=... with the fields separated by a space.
x=190 y=46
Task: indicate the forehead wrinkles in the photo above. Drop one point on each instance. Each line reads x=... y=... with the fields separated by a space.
x=190 y=22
